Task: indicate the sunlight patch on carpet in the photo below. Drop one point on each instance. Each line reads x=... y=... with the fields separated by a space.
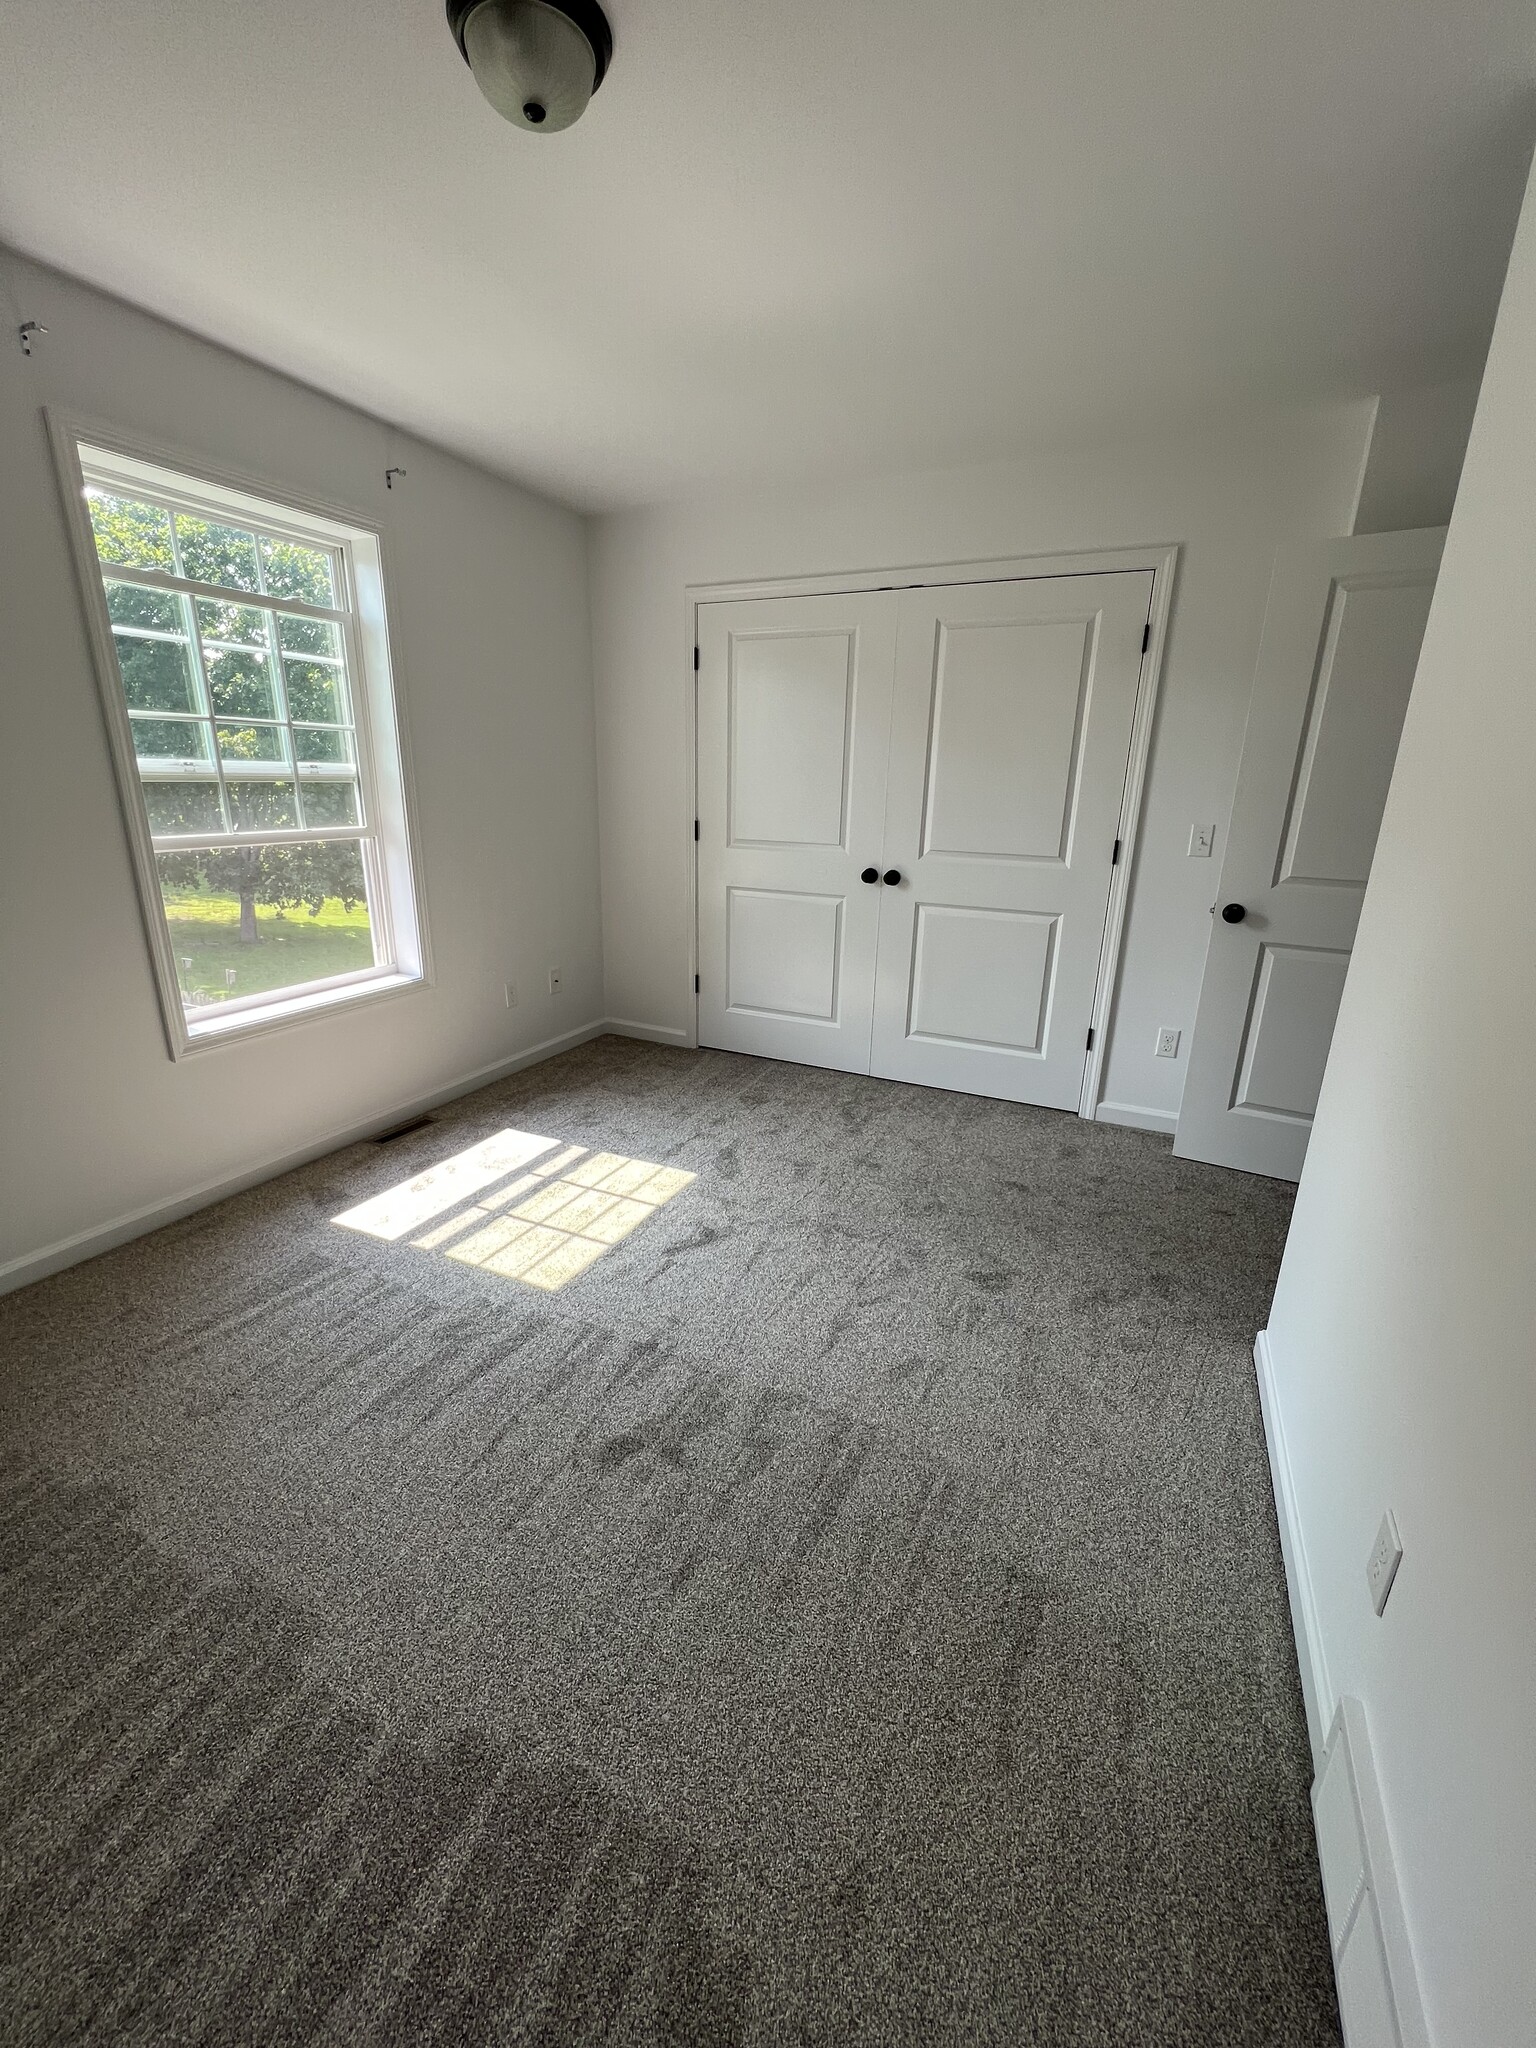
x=548 y=1222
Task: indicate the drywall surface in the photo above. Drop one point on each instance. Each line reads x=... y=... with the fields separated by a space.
x=872 y=236
x=1403 y=1333
x=487 y=594
x=1418 y=445
x=1228 y=498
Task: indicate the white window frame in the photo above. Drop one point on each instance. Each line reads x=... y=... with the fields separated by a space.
x=395 y=903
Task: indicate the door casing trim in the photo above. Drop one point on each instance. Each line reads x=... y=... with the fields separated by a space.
x=1161 y=558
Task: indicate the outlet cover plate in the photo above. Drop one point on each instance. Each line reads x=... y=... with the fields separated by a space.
x=1168 y=1044
x=1381 y=1567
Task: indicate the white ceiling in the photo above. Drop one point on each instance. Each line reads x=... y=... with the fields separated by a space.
x=789 y=238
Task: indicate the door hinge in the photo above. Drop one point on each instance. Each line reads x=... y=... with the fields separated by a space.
x=1146 y=638
x=1114 y=858
x=695 y=984
x=1090 y=1038
x=696 y=830
x=695 y=660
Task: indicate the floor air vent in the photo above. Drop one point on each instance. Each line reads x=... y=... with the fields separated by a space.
x=417 y=1123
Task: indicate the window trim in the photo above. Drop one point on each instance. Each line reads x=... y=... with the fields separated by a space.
x=396 y=903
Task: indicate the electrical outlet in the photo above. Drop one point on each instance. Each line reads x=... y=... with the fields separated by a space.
x=1202 y=838
x=1168 y=1045
x=554 y=981
x=510 y=991
x=1381 y=1567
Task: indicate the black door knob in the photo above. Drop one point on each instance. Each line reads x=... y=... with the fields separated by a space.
x=893 y=876
x=1232 y=913
x=870 y=875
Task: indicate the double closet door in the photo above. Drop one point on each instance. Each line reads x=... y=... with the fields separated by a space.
x=908 y=802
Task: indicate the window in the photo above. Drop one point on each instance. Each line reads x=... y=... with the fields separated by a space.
x=245 y=673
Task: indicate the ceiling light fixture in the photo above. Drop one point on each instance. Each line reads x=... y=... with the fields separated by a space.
x=538 y=62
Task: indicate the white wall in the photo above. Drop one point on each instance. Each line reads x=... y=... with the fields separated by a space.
x=1418 y=445
x=488 y=606
x=1403 y=1334
x=1229 y=497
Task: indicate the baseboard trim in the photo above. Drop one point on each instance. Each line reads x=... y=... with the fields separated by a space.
x=1135 y=1118
x=653 y=1034
x=105 y=1237
x=1316 y=1691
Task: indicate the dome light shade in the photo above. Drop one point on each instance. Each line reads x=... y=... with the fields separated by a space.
x=538 y=62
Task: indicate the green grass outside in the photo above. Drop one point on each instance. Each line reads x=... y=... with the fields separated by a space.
x=292 y=946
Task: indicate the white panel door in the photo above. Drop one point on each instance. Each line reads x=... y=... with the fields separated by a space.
x=1341 y=642
x=794 y=697
x=1010 y=736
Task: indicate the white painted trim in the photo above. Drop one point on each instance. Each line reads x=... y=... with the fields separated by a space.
x=653 y=1034
x=1164 y=566
x=104 y=1237
x=315 y=999
x=399 y=914
x=919 y=576
x=1161 y=558
x=1135 y=1118
x=1381 y=1874
x=198 y=462
x=690 y=822
x=1316 y=1690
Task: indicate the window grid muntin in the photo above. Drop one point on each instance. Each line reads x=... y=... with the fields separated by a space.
x=269 y=605
x=100 y=473
x=221 y=593
x=187 y=590
x=92 y=457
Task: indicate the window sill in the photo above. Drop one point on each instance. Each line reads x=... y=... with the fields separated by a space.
x=223 y=1026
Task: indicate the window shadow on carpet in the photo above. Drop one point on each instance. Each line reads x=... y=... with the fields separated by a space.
x=519 y=1206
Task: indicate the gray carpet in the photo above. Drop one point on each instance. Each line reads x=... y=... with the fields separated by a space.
x=850 y=1611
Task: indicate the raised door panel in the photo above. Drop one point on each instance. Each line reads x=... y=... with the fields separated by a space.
x=1340 y=1844
x=791 y=727
x=1010 y=735
x=1366 y=2004
x=1294 y=1006
x=1340 y=644
x=1006 y=720
x=783 y=954
x=1370 y=646
x=982 y=977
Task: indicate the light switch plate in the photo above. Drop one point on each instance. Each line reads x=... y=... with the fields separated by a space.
x=510 y=990
x=554 y=981
x=1381 y=1567
x=1202 y=838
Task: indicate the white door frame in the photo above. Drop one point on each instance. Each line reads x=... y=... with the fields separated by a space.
x=1161 y=559
x=1290 y=915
